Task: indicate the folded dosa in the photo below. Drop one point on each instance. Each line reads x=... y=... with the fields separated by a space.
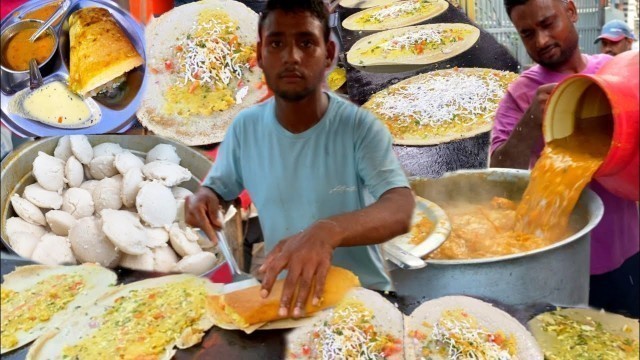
x=246 y=307
x=100 y=50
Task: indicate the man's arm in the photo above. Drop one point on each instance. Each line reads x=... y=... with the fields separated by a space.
x=221 y=186
x=387 y=218
x=516 y=151
x=307 y=255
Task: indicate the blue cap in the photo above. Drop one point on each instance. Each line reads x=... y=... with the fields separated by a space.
x=615 y=30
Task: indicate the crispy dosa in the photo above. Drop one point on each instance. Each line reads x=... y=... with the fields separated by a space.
x=395 y=15
x=574 y=332
x=441 y=106
x=489 y=319
x=362 y=321
x=170 y=107
x=160 y=314
x=362 y=4
x=437 y=42
x=100 y=51
x=243 y=308
x=50 y=293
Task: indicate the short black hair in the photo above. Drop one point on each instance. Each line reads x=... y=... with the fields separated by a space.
x=315 y=7
x=510 y=4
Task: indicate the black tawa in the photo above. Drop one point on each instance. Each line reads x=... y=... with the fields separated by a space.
x=431 y=161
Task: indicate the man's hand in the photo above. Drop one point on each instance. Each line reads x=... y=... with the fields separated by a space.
x=539 y=104
x=201 y=211
x=305 y=256
x=516 y=151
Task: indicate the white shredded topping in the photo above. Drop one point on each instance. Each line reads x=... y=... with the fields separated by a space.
x=456 y=335
x=457 y=97
x=211 y=58
x=241 y=94
x=344 y=338
x=413 y=37
x=397 y=9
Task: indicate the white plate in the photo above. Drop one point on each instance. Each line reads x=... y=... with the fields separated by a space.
x=430 y=210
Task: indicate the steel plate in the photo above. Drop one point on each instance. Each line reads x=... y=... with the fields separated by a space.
x=117 y=116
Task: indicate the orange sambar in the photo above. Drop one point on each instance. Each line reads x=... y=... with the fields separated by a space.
x=43 y=13
x=19 y=50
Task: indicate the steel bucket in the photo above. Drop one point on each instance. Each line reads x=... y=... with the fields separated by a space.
x=557 y=274
x=16 y=167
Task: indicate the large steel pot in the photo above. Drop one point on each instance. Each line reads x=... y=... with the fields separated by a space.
x=557 y=274
x=16 y=167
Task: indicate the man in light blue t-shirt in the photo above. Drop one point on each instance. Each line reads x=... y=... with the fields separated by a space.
x=307 y=158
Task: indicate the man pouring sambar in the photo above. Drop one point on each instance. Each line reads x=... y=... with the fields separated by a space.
x=547 y=29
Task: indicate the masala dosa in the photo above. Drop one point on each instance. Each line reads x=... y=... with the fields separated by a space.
x=100 y=51
x=433 y=325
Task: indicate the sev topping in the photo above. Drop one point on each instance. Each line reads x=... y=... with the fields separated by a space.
x=395 y=10
x=24 y=310
x=417 y=42
x=444 y=103
x=350 y=334
x=211 y=52
x=455 y=97
x=208 y=66
x=457 y=336
x=586 y=340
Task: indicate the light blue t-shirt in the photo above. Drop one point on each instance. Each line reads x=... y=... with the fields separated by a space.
x=296 y=179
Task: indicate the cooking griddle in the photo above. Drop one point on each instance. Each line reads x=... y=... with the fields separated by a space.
x=430 y=161
x=261 y=345
x=486 y=53
x=433 y=161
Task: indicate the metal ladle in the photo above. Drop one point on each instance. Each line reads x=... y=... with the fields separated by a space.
x=35 y=77
x=64 y=6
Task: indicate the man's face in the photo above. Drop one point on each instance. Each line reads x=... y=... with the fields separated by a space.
x=547 y=30
x=614 y=48
x=293 y=54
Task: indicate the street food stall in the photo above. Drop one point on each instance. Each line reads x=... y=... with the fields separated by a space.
x=98 y=262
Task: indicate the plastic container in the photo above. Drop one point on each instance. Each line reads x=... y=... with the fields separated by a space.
x=612 y=92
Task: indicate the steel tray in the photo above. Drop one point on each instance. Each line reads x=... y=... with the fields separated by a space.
x=117 y=115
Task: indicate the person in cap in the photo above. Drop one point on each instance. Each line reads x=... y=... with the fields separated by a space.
x=616 y=37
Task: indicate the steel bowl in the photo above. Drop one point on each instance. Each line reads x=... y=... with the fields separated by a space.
x=16 y=168
x=557 y=274
x=14 y=79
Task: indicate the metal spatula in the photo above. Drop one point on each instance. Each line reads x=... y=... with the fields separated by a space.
x=240 y=279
